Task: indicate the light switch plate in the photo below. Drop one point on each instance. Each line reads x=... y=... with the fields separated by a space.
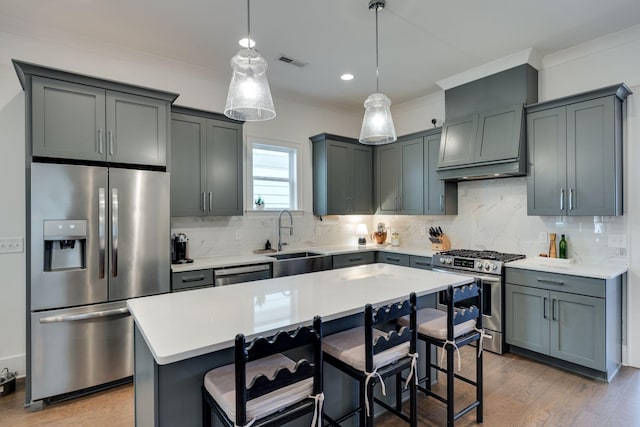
x=617 y=241
x=542 y=237
x=10 y=245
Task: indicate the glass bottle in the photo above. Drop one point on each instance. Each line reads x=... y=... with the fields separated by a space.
x=562 y=246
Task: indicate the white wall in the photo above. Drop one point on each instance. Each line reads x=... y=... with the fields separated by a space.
x=197 y=88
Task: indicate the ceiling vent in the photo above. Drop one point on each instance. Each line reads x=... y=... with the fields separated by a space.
x=289 y=60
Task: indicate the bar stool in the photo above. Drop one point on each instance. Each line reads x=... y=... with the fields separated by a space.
x=264 y=387
x=370 y=355
x=450 y=330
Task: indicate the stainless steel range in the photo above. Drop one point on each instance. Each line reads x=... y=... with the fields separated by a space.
x=489 y=267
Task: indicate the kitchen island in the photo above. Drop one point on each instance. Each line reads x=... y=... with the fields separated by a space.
x=180 y=336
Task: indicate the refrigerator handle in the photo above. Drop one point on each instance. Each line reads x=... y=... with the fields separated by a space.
x=114 y=232
x=102 y=208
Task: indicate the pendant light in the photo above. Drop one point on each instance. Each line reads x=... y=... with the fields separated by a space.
x=249 y=97
x=377 y=125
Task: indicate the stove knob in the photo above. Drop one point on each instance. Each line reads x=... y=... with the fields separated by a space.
x=448 y=260
x=494 y=267
x=487 y=266
x=441 y=260
x=479 y=265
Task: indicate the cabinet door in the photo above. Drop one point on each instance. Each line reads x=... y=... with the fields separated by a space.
x=350 y=260
x=497 y=131
x=458 y=142
x=68 y=120
x=136 y=129
x=591 y=173
x=361 y=197
x=577 y=329
x=188 y=139
x=338 y=178
x=547 y=192
x=528 y=316
x=391 y=258
x=224 y=169
x=387 y=176
x=411 y=177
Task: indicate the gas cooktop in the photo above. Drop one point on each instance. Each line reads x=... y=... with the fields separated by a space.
x=473 y=260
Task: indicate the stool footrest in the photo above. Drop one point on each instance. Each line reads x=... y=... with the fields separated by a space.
x=391 y=409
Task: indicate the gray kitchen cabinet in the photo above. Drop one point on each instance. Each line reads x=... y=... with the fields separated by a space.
x=85 y=122
x=191 y=279
x=568 y=318
x=393 y=258
x=421 y=262
x=489 y=137
x=342 y=176
x=206 y=156
x=575 y=154
x=440 y=197
x=353 y=259
x=400 y=177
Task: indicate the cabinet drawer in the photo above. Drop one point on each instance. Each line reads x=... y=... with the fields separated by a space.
x=392 y=258
x=422 y=262
x=191 y=279
x=349 y=260
x=557 y=282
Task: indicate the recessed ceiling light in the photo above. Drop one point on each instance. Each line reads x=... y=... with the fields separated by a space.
x=346 y=77
x=243 y=43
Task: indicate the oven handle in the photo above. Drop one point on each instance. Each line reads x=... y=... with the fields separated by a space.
x=484 y=278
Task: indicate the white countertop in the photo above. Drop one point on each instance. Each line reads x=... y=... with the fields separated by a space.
x=227 y=261
x=186 y=324
x=597 y=271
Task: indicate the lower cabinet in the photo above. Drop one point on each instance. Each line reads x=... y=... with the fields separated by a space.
x=185 y=280
x=421 y=262
x=583 y=329
x=392 y=258
x=352 y=259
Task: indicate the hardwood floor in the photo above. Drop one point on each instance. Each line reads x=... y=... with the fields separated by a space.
x=518 y=392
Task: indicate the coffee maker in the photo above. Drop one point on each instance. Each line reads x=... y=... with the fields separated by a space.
x=179 y=249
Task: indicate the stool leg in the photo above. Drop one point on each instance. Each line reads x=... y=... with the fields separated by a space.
x=413 y=402
x=450 y=378
x=398 y=392
x=362 y=397
x=371 y=408
x=479 y=386
x=427 y=353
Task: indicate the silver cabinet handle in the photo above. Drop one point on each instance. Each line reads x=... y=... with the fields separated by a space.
x=355 y=259
x=544 y=307
x=114 y=232
x=562 y=199
x=393 y=259
x=204 y=201
x=426 y=264
x=102 y=219
x=192 y=279
x=442 y=203
x=551 y=282
x=571 y=199
x=210 y=201
x=100 y=142
x=111 y=143
x=85 y=316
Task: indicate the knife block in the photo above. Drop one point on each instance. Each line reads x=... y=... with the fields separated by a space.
x=443 y=245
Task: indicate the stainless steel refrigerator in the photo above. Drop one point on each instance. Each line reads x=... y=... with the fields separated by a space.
x=98 y=236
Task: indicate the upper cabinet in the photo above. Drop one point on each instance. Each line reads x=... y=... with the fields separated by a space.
x=406 y=178
x=575 y=154
x=342 y=176
x=206 y=160
x=82 y=118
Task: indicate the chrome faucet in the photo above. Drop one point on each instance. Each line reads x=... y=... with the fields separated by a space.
x=280 y=227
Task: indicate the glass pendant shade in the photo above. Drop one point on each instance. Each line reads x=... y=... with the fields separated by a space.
x=249 y=97
x=377 y=125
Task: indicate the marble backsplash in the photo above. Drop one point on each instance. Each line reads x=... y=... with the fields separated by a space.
x=492 y=214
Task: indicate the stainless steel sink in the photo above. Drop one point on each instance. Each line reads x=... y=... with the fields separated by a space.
x=299 y=263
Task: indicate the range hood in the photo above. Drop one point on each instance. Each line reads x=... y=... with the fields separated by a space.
x=483 y=135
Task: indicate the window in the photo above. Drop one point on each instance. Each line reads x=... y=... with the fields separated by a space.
x=273 y=175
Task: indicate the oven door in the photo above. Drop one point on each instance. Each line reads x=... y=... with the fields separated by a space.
x=491 y=301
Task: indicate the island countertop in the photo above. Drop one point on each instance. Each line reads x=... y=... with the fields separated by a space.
x=187 y=324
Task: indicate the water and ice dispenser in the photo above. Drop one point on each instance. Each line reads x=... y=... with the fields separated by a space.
x=65 y=244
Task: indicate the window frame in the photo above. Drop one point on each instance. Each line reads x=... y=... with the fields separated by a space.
x=295 y=172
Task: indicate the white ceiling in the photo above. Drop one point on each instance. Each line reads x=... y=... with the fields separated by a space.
x=421 y=41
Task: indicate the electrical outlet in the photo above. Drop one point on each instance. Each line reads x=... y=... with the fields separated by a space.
x=11 y=245
x=542 y=237
x=617 y=241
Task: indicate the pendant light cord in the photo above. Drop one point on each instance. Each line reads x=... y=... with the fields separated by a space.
x=377 y=72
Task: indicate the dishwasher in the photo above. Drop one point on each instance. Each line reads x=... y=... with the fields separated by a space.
x=245 y=273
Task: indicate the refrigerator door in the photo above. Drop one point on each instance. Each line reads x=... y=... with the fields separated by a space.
x=139 y=254
x=66 y=196
x=76 y=348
